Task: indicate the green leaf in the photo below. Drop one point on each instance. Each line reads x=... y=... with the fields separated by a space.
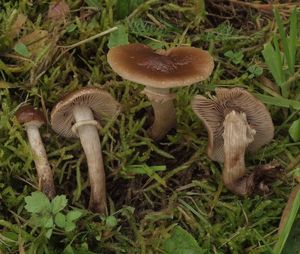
x=43 y=220
x=292 y=40
x=181 y=242
x=74 y=215
x=22 y=50
x=37 y=202
x=278 y=101
x=118 y=37
x=148 y=170
x=71 y=28
x=48 y=222
x=122 y=9
x=274 y=64
x=288 y=225
x=294 y=130
x=235 y=57
x=70 y=226
x=255 y=70
x=93 y=3
x=111 y=221
x=292 y=244
x=60 y=220
x=59 y=203
x=283 y=38
x=49 y=233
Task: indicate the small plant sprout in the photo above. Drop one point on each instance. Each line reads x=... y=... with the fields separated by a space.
x=236 y=122
x=74 y=116
x=32 y=120
x=159 y=71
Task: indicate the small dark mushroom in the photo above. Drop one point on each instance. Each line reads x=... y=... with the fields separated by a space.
x=75 y=115
x=32 y=120
x=236 y=122
x=159 y=71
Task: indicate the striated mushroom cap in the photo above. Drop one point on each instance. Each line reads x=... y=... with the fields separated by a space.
x=213 y=112
x=99 y=101
x=176 y=67
x=29 y=115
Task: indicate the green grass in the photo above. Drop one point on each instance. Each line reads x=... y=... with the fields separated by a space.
x=157 y=192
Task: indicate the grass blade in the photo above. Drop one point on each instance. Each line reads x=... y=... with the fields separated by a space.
x=273 y=62
x=278 y=101
x=288 y=225
x=283 y=38
x=292 y=41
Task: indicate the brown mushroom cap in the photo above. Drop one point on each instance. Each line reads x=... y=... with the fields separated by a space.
x=212 y=113
x=176 y=67
x=28 y=114
x=99 y=101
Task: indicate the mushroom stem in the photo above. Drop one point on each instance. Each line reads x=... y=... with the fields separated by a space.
x=45 y=176
x=237 y=136
x=164 y=112
x=90 y=142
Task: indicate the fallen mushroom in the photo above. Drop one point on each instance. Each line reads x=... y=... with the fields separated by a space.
x=74 y=115
x=159 y=71
x=236 y=122
x=32 y=119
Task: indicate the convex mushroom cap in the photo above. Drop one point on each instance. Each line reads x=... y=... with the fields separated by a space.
x=28 y=114
x=175 y=67
x=99 y=101
x=212 y=113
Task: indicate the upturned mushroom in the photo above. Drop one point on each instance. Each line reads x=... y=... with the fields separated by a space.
x=236 y=122
x=77 y=115
x=32 y=120
x=159 y=71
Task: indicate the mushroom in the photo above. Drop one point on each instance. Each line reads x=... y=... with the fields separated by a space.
x=236 y=122
x=74 y=116
x=159 y=71
x=32 y=119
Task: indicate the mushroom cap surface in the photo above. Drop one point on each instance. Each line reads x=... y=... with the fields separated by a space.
x=29 y=115
x=175 y=67
x=102 y=104
x=213 y=112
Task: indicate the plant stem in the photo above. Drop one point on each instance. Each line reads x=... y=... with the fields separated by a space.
x=45 y=176
x=90 y=142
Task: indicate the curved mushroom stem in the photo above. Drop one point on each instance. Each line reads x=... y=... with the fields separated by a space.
x=90 y=142
x=45 y=176
x=164 y=112
x=237 y=136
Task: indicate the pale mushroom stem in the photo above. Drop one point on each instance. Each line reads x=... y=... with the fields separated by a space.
x=44 y=172
x=237 y=136
x=164 y=112
x=90 y=142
